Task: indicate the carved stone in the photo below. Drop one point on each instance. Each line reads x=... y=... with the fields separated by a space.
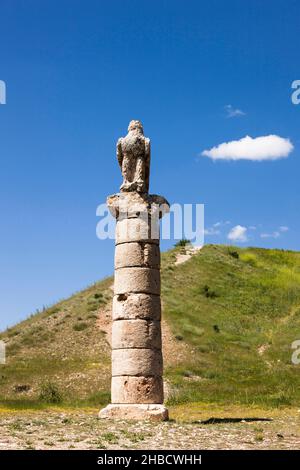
x=134 y=306
x=145 y=280
x=133 y=152
x=136 y=412
x=128 y=389
x=137 y=254
x=136 y=334
x=137 y=362
x=136 y=230
x=137 y=366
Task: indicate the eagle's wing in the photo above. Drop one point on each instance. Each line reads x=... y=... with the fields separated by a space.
x=119 y=152
x=147 y=162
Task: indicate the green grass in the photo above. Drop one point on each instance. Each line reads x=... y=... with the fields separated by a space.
x=226 y=307
x=80 y=326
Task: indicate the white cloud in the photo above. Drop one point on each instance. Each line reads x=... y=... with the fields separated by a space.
x=252 y=227
x=215 y=228
x=276 y=233
x=269 y=147
x=238 y=234
x=270 y=235
x=221 y=223
x=233 y=112
x=211 y=231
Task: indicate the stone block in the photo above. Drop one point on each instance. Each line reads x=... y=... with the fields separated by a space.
x=132 y=204
x=143 y=280
x=135 y=230
x=153 y=412
x=137 y=254
x=132 y=306
x=137 y=389
x=138 y=362
x=136 y=334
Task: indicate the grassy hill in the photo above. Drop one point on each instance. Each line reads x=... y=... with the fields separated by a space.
x=230 y=316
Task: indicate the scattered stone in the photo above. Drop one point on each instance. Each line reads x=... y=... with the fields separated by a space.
x=21 y=388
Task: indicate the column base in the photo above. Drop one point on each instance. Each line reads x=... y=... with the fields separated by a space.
x=150 y=412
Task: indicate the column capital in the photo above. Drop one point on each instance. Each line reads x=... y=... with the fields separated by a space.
x=132 y=204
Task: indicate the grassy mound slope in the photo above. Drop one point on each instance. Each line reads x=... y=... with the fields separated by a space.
x=230 y=317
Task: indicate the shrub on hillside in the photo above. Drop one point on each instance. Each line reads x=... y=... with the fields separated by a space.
x=50 y=393
x=98 y=295
x=80 y=326
x=234 y=254
x=182 y=243
x=208 y=292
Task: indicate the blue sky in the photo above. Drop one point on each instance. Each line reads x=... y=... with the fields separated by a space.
x=78 y=71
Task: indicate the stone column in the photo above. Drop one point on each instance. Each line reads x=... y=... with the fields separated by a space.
x=137 y=366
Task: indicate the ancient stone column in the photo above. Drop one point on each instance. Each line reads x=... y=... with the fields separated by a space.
x=137 y=366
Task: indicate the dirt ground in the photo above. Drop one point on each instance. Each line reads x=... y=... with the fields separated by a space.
x=83 y=430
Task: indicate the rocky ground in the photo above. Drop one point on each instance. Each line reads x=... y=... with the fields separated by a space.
x=83 y=430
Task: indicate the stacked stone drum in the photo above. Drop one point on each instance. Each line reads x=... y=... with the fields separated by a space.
x=137 y=365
